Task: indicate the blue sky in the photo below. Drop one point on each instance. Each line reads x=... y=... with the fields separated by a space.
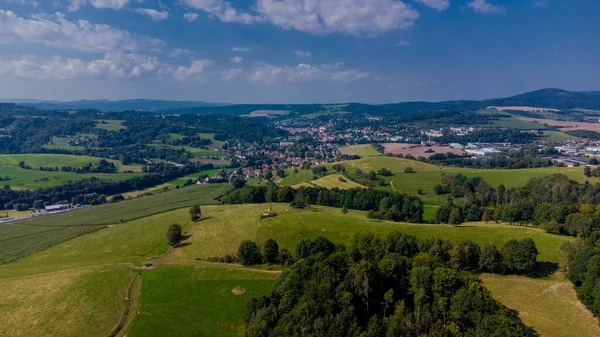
x=296 y=51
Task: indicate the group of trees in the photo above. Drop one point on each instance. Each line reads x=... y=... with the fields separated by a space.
x=92 y=191
x=388 y=205
x=396 y=286
x=369 y=179
x=554 y=203
x=510 y=160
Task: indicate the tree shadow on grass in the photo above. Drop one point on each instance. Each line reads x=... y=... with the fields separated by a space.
x=184 y=244
x=543 y=269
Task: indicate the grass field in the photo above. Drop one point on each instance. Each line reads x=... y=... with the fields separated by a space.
x=551 y=306
x=227 y=226
x=17 y=241
x=22 y=238
x=557 y=136
x=332 y=181
x=133 y=242
x=34 y=179
x=62 y=143
x=197 y=302
x=110 y=124
x=366 y=150
x=427 y=175
x=196 y=151
x=516 y=123
x=81 y=302
x=109 y=214
x=47 y=160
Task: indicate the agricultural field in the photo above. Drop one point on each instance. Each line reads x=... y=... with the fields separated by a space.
x=17 y=241
x=196 y=151
x=211 y=300
x=24 y=237
x=34 y=179
x=109 y=214
x=417 y=150
x=110 y=124
x=49 y=160
x=550 y=306
x=62 y=143
x=333 y=181
x=564 y=125
x=65 y=303
x=362 y=150
x=516 y=123
x=227 y=226
x=426 y=176
x=557 y=136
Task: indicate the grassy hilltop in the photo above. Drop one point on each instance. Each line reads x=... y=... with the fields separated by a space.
x=95 y=268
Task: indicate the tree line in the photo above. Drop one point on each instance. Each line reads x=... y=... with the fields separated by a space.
x=91 y=191
x=389 y=205
x=395 y=286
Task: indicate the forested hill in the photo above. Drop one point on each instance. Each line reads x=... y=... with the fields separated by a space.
x=545 y=98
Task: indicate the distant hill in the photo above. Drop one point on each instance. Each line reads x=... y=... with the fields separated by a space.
x=107 y=105
x=545 y=98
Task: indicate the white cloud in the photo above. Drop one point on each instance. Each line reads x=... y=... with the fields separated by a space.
x=113 y=65
x=114 y=4
x=440 y=5
x=355 y=17
x=33 y=3
x=237 y=59
x=55 y=30
x=301 y=53
x=231 y=74
x=348 y=76
x=75 y=5
x=241 y=49
x=304 y=73
x=482 y=6
x=222 y=10
x=541 y=3
x=189 y=17
x=178 y=52
x=152 y=13
x=194 y=72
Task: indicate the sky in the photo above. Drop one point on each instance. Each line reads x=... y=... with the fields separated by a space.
x=296 y=51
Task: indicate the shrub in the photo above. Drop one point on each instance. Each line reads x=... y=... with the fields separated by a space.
x=248 y=253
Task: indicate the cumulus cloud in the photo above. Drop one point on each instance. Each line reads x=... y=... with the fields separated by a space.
x=113 y=65
x=195 y=71
x=231 y=74
x=75 y=5
x=222 y=10
x=440 y=5
x=304 y=73
x=114 y=4
x=301 y=53
x=237 y=59
x=178 y=52
x=482 y=6
x=355 y=17
x=189 y=17
x=56 y=30
x=152 y=13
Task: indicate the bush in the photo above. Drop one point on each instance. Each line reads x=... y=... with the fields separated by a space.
x=519 y=256
x=174 y=235
x=409 y=169
x=271 y=251
x=248 y=253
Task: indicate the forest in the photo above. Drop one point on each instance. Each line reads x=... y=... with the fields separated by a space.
x=395 y=286
x=386 y=205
